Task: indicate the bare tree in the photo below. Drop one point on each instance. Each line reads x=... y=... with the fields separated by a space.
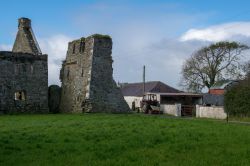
x=210 y=64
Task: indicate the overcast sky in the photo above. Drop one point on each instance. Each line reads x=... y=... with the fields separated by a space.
x=158 y=34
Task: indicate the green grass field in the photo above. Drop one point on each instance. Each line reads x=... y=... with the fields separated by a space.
x=113 y=139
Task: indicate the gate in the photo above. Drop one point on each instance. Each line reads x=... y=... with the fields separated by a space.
x=187 y=110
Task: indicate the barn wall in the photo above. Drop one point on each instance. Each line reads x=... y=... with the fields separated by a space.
x=217 y=91
x=210 y=112
x=130 y=99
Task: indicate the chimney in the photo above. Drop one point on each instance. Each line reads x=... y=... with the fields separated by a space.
x=25 y=39
x=24 y=23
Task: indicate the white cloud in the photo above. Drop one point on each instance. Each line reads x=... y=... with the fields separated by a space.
x=4 y=47
x=220 y=32
x=56 y=48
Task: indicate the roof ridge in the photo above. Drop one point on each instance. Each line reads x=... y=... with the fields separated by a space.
x=142 y=82
x=136 y=89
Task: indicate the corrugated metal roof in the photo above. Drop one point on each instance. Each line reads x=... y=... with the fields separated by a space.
x=136 y=89
x=223 y=84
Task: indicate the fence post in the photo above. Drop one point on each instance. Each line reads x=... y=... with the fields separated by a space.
x=178 y=109
x=197 y=109
x=227 y=116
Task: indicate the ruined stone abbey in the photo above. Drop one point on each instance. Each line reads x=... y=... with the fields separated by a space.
x=24 y=74
x=86 y=76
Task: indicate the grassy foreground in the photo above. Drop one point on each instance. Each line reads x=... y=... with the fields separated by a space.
x=108 y=139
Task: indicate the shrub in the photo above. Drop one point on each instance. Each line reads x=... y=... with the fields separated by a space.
x=237 y=99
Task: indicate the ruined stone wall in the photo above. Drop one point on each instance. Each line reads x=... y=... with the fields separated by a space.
x=54 y=94
x=105 y=96
x=27 y=73
x=71 y=77
x=24 y=74
x=86 y=76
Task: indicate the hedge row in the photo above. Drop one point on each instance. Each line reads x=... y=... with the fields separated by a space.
x=237 y=99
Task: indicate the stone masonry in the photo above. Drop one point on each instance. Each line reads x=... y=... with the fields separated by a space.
x=86 y=76
x=24 y=74
x=25 y=39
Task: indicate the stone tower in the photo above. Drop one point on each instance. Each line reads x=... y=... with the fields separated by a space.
x=25 y=40
x=86 y=76
x=24 y=74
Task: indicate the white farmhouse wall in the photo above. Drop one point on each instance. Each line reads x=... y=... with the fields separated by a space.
x=171 y=109
x=130 y=99
x=210 y=112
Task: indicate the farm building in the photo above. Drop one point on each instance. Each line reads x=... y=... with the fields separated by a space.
x=168 y=97
x=220 y=87
x=215 y=95
x=133 y=92
x=213 y=101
